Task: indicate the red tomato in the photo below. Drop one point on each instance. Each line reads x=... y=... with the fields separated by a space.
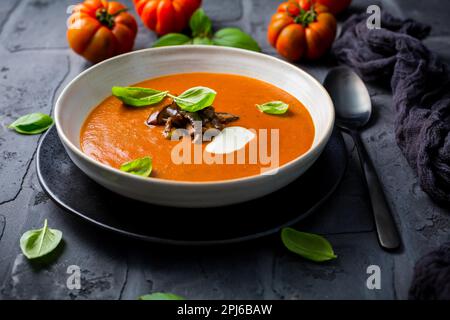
x=99 y=29
x=166 y=16
x=306 y=34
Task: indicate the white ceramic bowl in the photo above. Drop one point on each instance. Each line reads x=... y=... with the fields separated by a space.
x=93 y=85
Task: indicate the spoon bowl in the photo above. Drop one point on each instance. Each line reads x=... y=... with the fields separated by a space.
x=350 y=97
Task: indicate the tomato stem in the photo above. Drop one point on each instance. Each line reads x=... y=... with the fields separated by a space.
x=306 y=16
x=106 y=18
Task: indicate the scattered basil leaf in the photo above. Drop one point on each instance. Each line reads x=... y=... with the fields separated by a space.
x=172 y=39
x=138 y=97
x=141 y=167
x=234 y=37
x=307 y=245
x=195 y=99
x=33 y=123
x=202 y=40
x=161 y=296
x=37 y=243
x=273 y=107
x=200 y=24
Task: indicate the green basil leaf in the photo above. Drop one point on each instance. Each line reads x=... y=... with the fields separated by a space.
x=234 y=37
x=200 y=24
x=38 y=243
x=273 y=107
x=141 y=167
x=202 y=40
x=195 y=99
x=172 y=39
x=138 y=97
x=308 y=245
x=161 y=296
x=33 y=123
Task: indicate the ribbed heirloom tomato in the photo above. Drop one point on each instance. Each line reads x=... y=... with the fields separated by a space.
x=166 y=16
x=302 y=29
x=98 y=30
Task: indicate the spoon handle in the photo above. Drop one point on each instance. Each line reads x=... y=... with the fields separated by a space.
x=388 y=236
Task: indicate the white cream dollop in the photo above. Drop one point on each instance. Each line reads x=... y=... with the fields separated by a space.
x=229 y=140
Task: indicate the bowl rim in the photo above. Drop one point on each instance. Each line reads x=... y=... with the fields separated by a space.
x=253 y=178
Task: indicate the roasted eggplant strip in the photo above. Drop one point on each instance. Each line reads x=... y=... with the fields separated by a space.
x=159 y=117
x=173 y=118
x=173 y=122
x=225 y=117
x=207 y=113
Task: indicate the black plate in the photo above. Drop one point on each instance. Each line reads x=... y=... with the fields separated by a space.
x=70 y=188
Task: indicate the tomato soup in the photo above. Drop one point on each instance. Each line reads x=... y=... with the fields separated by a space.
x=114 y=133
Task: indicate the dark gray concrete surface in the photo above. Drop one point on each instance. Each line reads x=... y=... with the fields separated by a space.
x=35 y=64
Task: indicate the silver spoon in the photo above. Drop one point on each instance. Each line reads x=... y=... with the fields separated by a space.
x=353 y=110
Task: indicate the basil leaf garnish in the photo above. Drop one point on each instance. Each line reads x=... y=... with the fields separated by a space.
x=138 y=97
x=192 y=100
x=172 y=39
x=273 y=107
x=161 y=296
x=307 y=245
x=141 y=167
x=200 y=24
x=33 y=123
x=234 y=37
x=37 y=243
x=195 y=99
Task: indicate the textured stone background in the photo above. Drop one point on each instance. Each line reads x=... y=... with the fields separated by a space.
x=35 y=64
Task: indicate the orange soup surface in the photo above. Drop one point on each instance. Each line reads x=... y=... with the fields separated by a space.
x=114 y=133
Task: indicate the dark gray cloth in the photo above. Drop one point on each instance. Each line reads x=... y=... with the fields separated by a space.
x=432 y=276
x=420 y=84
